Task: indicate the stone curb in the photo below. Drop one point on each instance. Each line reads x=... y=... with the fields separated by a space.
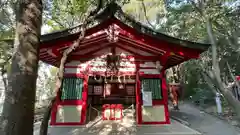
x=180 y=120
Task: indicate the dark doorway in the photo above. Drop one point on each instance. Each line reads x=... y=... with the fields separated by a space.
x=100 y=93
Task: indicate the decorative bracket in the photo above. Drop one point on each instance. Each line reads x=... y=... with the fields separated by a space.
x=112 y=33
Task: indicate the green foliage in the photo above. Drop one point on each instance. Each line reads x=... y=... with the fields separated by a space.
x=65 y=13
x=6 y=33
x=5 y=54
x=185 y=22
x=153 y=9
x=45 y=82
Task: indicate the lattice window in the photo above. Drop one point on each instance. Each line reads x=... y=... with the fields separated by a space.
x=130 y=90
x=72 y=89
x=153 y=85
x=98 y=90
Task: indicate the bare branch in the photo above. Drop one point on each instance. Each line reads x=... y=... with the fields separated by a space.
x=145 y=14
x=196 y=7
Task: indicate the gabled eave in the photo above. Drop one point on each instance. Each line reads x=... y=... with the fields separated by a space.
x=114 y=11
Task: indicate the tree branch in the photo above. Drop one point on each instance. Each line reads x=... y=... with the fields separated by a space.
x=145 y=14
x=232 y=76
x=66 y=53
x=99 y=6
x=209 y=81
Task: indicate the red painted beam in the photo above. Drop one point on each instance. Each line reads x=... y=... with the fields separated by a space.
x=103 y=67
x=126 y=49
x=74 y=36
x=89 y=44
x=82 y=57
x=145 y=47
x=142 y=48
x=161 y=44
x=99 y=48
x=85 y=41
x=58 y=51
x=84 y=47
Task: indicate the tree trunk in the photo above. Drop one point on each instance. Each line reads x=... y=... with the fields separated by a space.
x=4 y=78
x=181 y=80
x=18 y=111
x=216 y=71
x=46 y=117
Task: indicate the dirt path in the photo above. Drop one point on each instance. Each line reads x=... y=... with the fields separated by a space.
x=203 y=122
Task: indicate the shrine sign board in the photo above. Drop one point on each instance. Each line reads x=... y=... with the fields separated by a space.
x=147 y=98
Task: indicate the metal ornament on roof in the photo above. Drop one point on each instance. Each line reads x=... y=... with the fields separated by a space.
x=112 y=32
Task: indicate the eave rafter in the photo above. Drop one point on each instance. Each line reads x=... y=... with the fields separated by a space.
x=141 y=38
x=113 y=33
x=119 y=45
x=98 y=48
x=57 y=51
x=142 y=48
x=137 y=58
x=140 y=44
x=88 y=44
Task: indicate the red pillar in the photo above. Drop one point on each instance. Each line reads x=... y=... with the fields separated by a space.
x=165 y=97
x=84 y=99
x=138 y=96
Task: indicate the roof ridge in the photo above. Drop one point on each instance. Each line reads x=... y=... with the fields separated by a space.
x=113 y=10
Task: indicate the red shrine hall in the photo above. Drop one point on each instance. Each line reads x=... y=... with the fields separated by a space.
x=120 y=64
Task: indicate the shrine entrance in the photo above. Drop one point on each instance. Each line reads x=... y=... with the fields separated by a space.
x=111 y=98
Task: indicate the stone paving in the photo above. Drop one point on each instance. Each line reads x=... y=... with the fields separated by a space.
x=127 y=126
x=203 y=122
x=121 y=128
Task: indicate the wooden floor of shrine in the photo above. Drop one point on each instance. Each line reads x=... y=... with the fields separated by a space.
x=125 y=127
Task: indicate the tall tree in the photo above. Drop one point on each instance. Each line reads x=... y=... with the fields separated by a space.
x=207 y=10
x=20 y=95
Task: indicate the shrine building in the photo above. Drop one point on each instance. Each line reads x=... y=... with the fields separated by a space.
x=120 y=64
